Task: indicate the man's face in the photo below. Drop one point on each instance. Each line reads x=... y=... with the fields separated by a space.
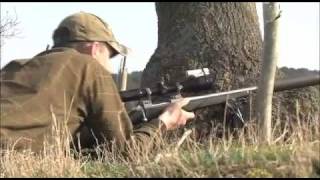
x=100 y=51
x=103 y=54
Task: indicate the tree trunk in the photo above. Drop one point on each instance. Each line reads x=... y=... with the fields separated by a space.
x=223 y=37
x=271 y=15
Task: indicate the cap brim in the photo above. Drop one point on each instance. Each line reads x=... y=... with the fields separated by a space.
x=120 y=49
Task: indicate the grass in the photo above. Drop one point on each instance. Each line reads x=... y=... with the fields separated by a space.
x=292 y=154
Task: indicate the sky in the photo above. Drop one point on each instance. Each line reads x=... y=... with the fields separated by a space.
x=135 y=25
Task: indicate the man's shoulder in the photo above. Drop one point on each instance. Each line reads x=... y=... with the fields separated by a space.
x=19 y=62
x=77 y=61
x=56 y=59
x=55 y=56
x=69 y=57
x=66 y=53
x=14 y=65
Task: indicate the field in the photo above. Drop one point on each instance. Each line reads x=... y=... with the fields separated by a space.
x=294 y=152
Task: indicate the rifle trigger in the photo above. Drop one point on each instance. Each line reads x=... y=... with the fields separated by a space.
x=144 y=116
x=143 y=111
x=239 y=115
x=233 y=106
x=149 y=93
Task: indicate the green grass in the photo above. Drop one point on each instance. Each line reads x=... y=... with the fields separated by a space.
x=252 y=161
x=297 y=155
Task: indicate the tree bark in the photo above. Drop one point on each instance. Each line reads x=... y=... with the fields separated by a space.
x=223 y=37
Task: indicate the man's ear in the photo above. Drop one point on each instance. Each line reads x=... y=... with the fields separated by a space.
x=86 y=49
x=94 y=49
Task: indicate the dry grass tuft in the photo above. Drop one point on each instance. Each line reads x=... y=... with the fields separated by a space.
x=295 y=152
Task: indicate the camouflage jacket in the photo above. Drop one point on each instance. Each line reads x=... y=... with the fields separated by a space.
x=63 y=87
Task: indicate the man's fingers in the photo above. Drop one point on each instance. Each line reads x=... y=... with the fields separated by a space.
x=183 y=102
x=174 y=116
x=188 y=115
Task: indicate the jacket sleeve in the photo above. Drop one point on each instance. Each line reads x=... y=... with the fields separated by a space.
x=108 y=119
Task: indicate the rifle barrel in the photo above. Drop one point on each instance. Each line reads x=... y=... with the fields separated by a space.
x=217 y=98
x=196 y=102
x=287 y=84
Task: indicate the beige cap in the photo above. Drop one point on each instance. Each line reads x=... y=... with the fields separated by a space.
x=84 y=26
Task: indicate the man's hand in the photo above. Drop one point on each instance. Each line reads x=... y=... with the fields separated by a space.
x=174 y=116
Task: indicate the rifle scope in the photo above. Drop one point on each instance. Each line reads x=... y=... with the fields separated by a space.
x=189 y=85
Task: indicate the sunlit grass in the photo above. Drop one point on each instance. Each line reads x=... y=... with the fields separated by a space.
x=294 y=152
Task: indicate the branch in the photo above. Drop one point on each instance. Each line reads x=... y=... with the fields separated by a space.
x=8 y=26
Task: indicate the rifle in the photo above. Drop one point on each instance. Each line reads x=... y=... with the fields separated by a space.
x=146 y=110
